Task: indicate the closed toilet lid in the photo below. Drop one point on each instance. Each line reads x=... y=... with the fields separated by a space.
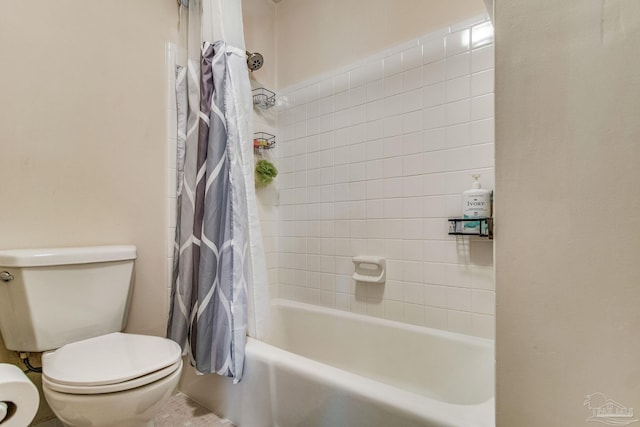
x=109 y=359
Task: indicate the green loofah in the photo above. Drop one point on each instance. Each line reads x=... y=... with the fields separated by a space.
x=265 y=172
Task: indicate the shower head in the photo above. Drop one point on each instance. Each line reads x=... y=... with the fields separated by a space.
x=254 y=61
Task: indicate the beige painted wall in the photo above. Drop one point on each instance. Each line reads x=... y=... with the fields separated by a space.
x=567 y=205
x=83 y=131
x=313 y=36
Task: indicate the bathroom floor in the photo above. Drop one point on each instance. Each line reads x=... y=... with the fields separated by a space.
x=179 y=411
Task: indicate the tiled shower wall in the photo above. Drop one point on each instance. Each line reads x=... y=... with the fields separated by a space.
x=373 y=158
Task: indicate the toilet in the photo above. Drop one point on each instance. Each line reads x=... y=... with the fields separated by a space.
x=72 y=304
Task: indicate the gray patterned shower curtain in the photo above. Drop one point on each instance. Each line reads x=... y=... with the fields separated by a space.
x=209 y=296
x=219 y=285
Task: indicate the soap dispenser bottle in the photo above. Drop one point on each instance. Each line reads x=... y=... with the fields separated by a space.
x=476 y=203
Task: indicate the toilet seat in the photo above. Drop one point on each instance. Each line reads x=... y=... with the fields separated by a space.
x=110 y=363
x=112 y=388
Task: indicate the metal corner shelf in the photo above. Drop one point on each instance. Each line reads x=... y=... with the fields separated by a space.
x=485 y=230
x=263 y=98
x=263 y=141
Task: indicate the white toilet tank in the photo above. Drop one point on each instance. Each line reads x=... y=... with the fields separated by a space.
x=51 y=297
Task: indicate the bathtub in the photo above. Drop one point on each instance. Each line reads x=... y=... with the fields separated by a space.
x=329 y=368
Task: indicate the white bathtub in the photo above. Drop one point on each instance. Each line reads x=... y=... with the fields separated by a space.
x=324 y=367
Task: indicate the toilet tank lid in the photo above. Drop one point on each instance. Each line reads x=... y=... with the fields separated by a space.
x=66 y=256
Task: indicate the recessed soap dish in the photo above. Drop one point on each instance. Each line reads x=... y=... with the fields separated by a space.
x=369 y=269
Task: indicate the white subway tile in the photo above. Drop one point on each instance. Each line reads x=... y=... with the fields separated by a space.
x=392 y=105
x=313 y=92
x=434 y=184
x=375 y=189
x=413 y=186
x=483 y=326
x=358 y=173
x=412 y=100
x=434 y=275
x=413 y=229
x=374 y=90
x=414 y=207
x=482 y=59
x=482 y=131
x=482 y=156
x=433 y=73
x=325 y=105
x=392 y=85
x=435 y=317
x=412 y=122
x=357 y=209
x=412 y=57
x=374 y=169
x=357 y=115
x=434 y=161
x=393 y=208
x=313 y=126
x=341 y=82
x=392 y=64
x=392 y=126
x=393 y=166
x=375 y=229
x=459 y=321
x=393 y=229
x=392 y=147
x=434 y=139
x=357 y=134
x=392 y=187
x=457 y=42
x=325 y=123
x=374 y=110
x=413 y=293
x=341 y=155
x=325 y=88
x=458 y=88
x=341 y=101
x=458 y=66
x=459 y=299
x=375 y=208
x=484 y=302
x=457 y=135
x=482 y=83
x=413 y=164
x=394 y=268
x=412 y=79
x=413 y=313
x=341 y=119
x=341 y=173
x=458 y=112
x=434 y=117
x=481 y=35
x=373 y=132
x=358 y=76
x=434 y=206
x=392 y=309
x=434 y=295
x=432 y=49
x=482 y=107
x=375 y=307
x=374 y=69
x=357 y=96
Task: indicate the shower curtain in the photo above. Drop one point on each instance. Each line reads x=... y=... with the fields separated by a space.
x=219 y=283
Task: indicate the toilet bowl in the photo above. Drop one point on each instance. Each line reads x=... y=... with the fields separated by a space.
x=112 y=380
x=72 y=304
